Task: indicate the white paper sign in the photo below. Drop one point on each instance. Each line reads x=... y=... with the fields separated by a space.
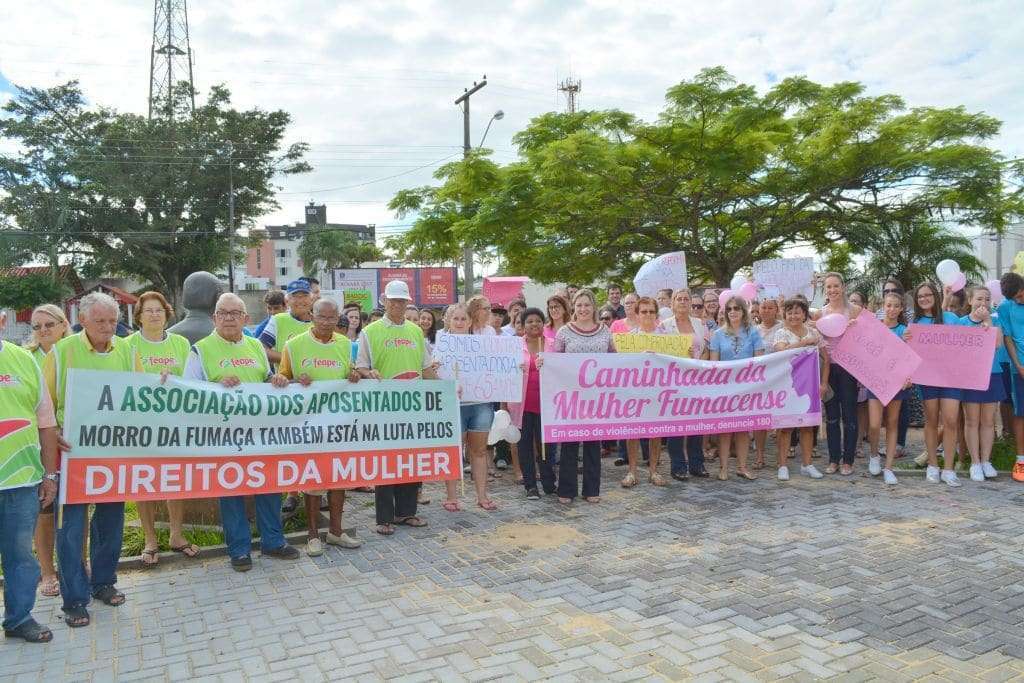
x=791 y=275
x=486 y=367
x=667 y=271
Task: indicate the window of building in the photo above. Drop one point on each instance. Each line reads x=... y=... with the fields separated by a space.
x=284 y=253
x=259 y=259
x=284 y=271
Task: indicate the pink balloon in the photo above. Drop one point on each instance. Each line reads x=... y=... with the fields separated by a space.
x=959 y=283
x=833 y=324
x=748 y=291
x=997 y=292
x=724 y=296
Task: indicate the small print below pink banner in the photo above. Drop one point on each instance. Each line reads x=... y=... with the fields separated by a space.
x=607 y=396
x=954 y=356
x=875 y=356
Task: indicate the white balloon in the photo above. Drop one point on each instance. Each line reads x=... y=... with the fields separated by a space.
x=737 y=282
x=947 y=271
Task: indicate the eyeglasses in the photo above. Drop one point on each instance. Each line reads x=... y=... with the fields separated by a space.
x=729 y=309
x=45 y=326
x=230 y=315
x=153 y=311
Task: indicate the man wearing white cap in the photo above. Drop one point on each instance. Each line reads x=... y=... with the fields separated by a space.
x=393 y=348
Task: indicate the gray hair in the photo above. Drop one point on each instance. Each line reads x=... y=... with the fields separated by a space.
x=320 y=303
x=228 y=296
x=94 y=299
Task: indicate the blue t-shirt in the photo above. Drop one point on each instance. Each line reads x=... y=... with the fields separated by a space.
x=1002 y=355
x=1011 y=320
x=736 y=347
x=948 y=318
x=898 y=330
x=997 y=368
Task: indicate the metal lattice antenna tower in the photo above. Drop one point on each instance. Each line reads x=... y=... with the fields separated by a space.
x=170 y=62
x=571 y=87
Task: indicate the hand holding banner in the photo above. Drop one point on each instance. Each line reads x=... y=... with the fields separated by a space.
x=667 y=271
x=486 y=367
x=668 y=344
x=955 y=356
x=879 y=359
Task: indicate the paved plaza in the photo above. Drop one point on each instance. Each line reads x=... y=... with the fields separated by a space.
x=701 y=580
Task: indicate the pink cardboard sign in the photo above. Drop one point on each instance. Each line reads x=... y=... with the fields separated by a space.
x=955 y=356
x=502 y=290
x=879 y=359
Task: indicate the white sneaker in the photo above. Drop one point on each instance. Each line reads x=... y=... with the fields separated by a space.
x=314 y=548
x=949 y=476
x=783 y=473
x=810 y=471
x=988 y=470
x=977 y=473
x=344 y=541
x=875 y=465
x=890 y=478
x=931 y=475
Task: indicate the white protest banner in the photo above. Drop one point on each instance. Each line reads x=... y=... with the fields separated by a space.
x=486 y=367
x=608 y=396
x=791 y=275
x=133 y=438
x=667 y=271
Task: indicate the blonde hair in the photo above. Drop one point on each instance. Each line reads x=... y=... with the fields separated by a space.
x=54 y=312
x=450 y=311
x=586 y=293
x=476 y=304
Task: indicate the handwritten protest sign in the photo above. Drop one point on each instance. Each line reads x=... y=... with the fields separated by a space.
x=486 y=367
x=607 y=396
x=135 y=438
x=791 y=275
x=669 y=344
x=667 y=271
x=955 y=356
x=502 y=290
x=875 y=356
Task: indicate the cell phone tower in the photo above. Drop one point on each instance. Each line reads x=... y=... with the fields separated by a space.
x=170 y=63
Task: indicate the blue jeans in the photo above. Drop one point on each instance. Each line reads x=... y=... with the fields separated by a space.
x=237 y=534
x=19 y=509
x=694 y=460
x=531 y=436
x=105 y=534
x=841 y=410
x=567 y=479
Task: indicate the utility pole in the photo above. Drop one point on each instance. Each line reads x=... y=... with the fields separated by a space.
x=467 y=251
x=231 y=217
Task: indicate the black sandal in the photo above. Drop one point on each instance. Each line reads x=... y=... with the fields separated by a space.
x=110 y=596
x=76 y=617
x=30 y=632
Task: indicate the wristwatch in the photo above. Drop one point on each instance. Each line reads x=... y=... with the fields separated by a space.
x=52 y=476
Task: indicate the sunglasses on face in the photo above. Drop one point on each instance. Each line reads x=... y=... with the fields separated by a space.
x=606 y=319
x=697 y=306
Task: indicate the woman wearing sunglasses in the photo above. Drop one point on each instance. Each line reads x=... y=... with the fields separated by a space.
x=49 y=325
x=647 y=313
x=736 y=339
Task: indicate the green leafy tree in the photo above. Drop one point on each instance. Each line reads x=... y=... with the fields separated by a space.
x=725 y=174
x=909 y=252
x=328 y=249
x=126 y=195
x=29 y=291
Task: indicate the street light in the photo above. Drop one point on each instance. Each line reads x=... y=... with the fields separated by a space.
x=498 y=116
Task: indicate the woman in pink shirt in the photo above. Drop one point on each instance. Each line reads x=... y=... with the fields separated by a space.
x=631 y=320
x=558 y=315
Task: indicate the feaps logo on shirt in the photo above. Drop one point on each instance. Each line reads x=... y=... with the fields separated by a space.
x=160 y=361
x=394 y=343
x=320 y=363
x=238 y=363
x=9 y=381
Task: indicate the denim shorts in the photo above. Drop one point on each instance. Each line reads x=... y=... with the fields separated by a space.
x=477 y=417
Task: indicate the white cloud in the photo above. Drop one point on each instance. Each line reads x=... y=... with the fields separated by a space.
x=386 y=73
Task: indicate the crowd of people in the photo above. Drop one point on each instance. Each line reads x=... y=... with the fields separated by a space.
x=395 y=342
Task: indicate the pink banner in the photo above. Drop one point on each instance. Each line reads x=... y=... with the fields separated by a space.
x=502 y=290
x=406 y=275
x=875 y=356
x=605 y=396
x=955 y=356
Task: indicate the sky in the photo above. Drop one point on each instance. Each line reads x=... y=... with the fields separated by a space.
x=371 y=85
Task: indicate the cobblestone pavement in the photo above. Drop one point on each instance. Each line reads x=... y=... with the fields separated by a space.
x=702 y=580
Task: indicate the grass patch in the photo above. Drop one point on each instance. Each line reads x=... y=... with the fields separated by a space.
x=1004 y=454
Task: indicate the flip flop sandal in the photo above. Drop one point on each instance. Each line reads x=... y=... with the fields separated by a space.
x=110 y=596
x=413 y=521
x=154 y=558
x=489 y=505
x=385 y=529
x=50 y=587
x=184 y=550
x=76 y=617
x=746 y=475
x=452 y=506
x=629 y=481
x=30 y=632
